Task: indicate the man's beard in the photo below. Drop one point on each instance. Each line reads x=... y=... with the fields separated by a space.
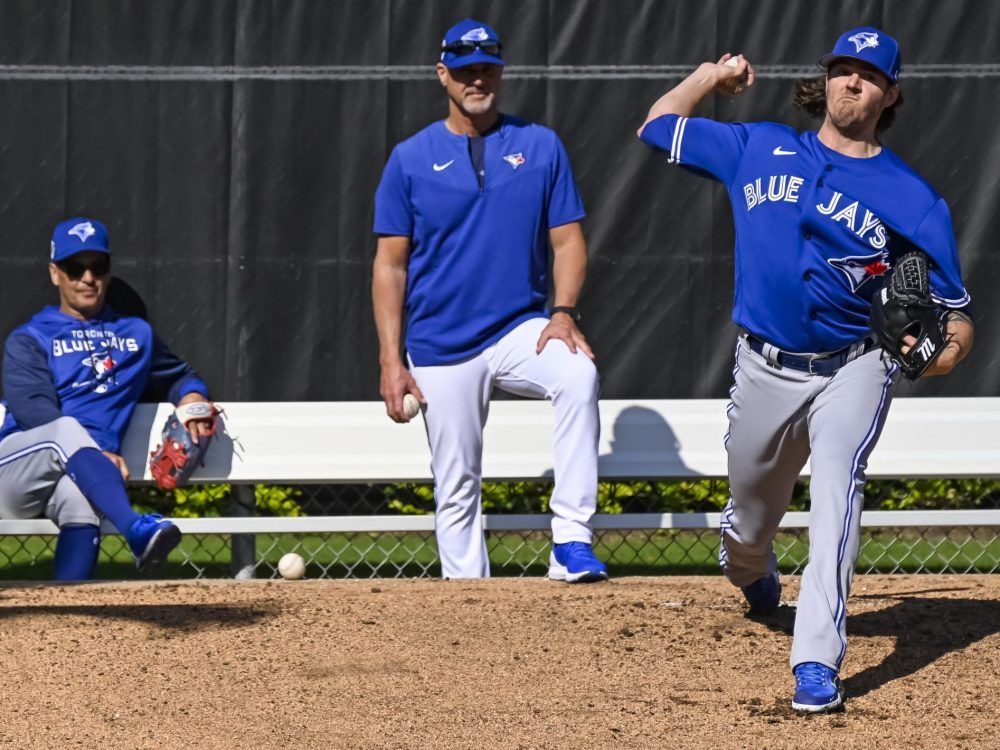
x=479 y=105
x=846 y=114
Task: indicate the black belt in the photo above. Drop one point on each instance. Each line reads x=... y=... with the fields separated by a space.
x=823 y=364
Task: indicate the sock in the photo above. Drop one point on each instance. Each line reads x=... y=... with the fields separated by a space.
x=76 y=552
x=101 y=483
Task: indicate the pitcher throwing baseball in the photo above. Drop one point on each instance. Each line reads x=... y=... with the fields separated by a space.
x=466 y=212
x=821 y=218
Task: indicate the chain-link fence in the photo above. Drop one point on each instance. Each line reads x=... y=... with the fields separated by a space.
x=370 y=554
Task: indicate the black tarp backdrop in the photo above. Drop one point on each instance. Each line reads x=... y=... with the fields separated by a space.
x=233 y=149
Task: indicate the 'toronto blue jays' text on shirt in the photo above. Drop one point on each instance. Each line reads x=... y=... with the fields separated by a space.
x=479 y=257
x=96 y=370
x=816 y=231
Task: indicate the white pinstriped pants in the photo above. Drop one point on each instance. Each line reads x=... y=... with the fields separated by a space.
x=458 y=401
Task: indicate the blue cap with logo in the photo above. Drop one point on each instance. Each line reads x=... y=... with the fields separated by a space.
x=471 y=42
x=869 y=45
x=76 y=235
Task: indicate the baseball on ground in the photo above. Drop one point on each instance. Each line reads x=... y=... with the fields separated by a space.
x=291 y=566
x=411 y=405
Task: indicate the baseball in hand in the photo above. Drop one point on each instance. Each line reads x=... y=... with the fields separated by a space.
x=411 y=406
x=733 y=61
x=291 y=566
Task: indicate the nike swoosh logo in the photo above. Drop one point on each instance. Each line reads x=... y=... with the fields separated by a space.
x=778 y=151
x=440 y=167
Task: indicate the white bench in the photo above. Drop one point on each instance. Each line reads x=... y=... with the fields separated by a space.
x=354 y=442
x=345 y=442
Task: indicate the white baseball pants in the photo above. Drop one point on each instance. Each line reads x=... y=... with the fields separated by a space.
x=458 y=401
x=779 y=419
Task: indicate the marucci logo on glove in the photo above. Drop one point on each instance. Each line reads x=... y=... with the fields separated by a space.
x=927 y=349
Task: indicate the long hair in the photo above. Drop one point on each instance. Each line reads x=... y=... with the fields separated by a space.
x=810 y=97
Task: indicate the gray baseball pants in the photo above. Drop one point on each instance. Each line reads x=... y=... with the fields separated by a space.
x=33 y=480
x=779 y=419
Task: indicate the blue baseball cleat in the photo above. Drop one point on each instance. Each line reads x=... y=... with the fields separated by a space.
x=151 y=538
x=817 y=688
x=574 y=562
x=764 y=594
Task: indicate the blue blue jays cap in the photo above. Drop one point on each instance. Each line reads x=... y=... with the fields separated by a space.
x=76 y=235
x=471 y=42
x=869 y=45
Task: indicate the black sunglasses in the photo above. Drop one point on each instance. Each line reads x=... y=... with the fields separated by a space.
x=462 y=47
x=75 y=269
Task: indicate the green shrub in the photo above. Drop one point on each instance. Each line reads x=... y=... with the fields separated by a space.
x=689 y=496
x=212 y=500
x=703 y=496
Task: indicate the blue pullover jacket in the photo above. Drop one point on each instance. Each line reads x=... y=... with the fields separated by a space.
x=96 y=370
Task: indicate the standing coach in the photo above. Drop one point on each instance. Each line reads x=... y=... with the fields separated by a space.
x=465 y=214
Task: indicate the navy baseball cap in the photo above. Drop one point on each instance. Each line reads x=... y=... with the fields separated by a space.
x=76 y=235
x=869 y=45
x=471 y=42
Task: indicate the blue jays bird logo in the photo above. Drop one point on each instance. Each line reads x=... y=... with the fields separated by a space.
x=864 y=39
x=515 y=160
x=860 y=269
x=101 y=365
x=475 y=35
x=83 y=230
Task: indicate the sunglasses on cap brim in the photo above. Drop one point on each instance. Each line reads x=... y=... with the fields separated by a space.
x=462 y=47
x=75 y=269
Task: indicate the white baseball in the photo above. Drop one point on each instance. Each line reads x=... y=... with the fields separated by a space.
x=291 y=566
x=411 y=405
x=734 y=61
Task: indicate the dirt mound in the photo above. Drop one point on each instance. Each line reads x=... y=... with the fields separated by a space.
x=635 y=662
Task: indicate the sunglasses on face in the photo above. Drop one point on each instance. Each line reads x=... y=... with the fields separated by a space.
x=462 y=48
x=75 y=269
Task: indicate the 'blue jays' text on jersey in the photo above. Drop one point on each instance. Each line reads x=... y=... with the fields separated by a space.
x=816 y=231
x=96 y=370
x=479 y=258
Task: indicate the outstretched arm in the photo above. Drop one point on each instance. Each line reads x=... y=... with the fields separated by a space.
x=723 y=76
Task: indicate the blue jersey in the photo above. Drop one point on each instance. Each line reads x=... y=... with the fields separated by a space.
x=96 y=370
x=479 y=256
x=816 y=231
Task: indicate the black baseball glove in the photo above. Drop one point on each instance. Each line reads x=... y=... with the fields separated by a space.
x=903 y=307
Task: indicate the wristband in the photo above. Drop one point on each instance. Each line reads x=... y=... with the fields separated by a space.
x=573 y=313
